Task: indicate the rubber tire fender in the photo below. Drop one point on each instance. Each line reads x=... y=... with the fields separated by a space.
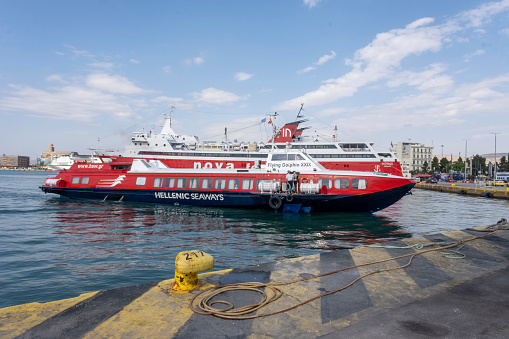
x=275 y=202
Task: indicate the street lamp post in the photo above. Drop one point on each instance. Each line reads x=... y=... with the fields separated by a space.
x=495 y=176
x=466 y=140
x=441 y=161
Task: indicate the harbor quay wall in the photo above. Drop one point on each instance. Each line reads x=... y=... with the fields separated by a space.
x=399 y=289
x=484 y=191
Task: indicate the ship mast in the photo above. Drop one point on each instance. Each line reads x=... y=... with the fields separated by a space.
x=274 y=130
x=300 y=110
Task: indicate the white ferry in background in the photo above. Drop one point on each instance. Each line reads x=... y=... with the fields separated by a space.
x=187 y=151
x=64 y=162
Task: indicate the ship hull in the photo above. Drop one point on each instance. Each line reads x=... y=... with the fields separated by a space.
x=370 y=202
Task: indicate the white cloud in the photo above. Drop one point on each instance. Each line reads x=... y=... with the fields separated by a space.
x=112 y=83
x=469 y=56
x=56 y=78
x=165 y=99
x=505 y=32
x=311 y=3
x=134 y=61
x=382 y=57
x=482 y=14
x=78 y=52
x=241 y=76
x=326 y=58
x=307 y=69
x=430 y=107
x=167 y=69
x=65 y=103
x=374 y=62
x=215 y=96
x=195 y=61
x=78 y=99
x=322 y=60
x=103 y=65
x=425 y=80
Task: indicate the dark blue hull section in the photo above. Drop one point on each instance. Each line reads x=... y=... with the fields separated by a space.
x=371 y=202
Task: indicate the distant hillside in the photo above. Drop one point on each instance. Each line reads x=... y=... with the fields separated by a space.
x=492 y=155
x=489 y=156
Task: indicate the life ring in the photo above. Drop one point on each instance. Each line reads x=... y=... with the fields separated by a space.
x=275 y=202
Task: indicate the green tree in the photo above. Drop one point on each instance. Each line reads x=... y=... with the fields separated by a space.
x=435 y=165
x=503 y=165
x=479 y=165
x=425 y=167
x=459 y=165
x=444 y=165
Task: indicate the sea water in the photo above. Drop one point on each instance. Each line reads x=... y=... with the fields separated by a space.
x=53 y=248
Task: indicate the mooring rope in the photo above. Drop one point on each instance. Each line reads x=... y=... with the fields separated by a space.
x=270 y=291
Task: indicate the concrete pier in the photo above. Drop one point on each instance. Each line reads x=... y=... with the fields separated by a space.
x=467 y=189
x=459 y=292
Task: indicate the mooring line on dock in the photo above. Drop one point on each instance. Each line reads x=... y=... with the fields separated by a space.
x=206 y=305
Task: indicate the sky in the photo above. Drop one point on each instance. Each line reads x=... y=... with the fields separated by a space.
x=87 y=74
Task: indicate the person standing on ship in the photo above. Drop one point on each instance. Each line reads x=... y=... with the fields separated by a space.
x=295 y=180
x=289 y=181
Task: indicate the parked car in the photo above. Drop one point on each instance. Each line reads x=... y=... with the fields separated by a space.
x=496 y=183
x=431 y=181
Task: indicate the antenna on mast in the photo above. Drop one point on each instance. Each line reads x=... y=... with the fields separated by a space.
x=300 y=110
x=171 y=111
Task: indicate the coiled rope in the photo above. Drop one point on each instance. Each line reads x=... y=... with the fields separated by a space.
x=270 y=291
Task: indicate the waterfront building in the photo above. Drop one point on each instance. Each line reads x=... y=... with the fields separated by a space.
x=503 y=176
x=412 y=155
x=51 y=153
x=15 y=161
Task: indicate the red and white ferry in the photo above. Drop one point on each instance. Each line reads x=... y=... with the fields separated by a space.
x=187 y=151
x=261 y=186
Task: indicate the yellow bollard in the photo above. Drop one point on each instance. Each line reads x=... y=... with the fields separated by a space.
x=187 y=266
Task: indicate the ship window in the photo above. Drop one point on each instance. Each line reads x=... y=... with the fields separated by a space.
x=75 y=180
x=220 y=184
x=140 y=181
x=194 y=183
x=181 y=182
x=295 y=157
x=326 y=182
x=341 y=183
x=206 y=184
x=84 y=180
x=233 y=184
x=278 y=157
x=169 y=182
x=247 y=184
x=158 y=182
x=359 y=184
